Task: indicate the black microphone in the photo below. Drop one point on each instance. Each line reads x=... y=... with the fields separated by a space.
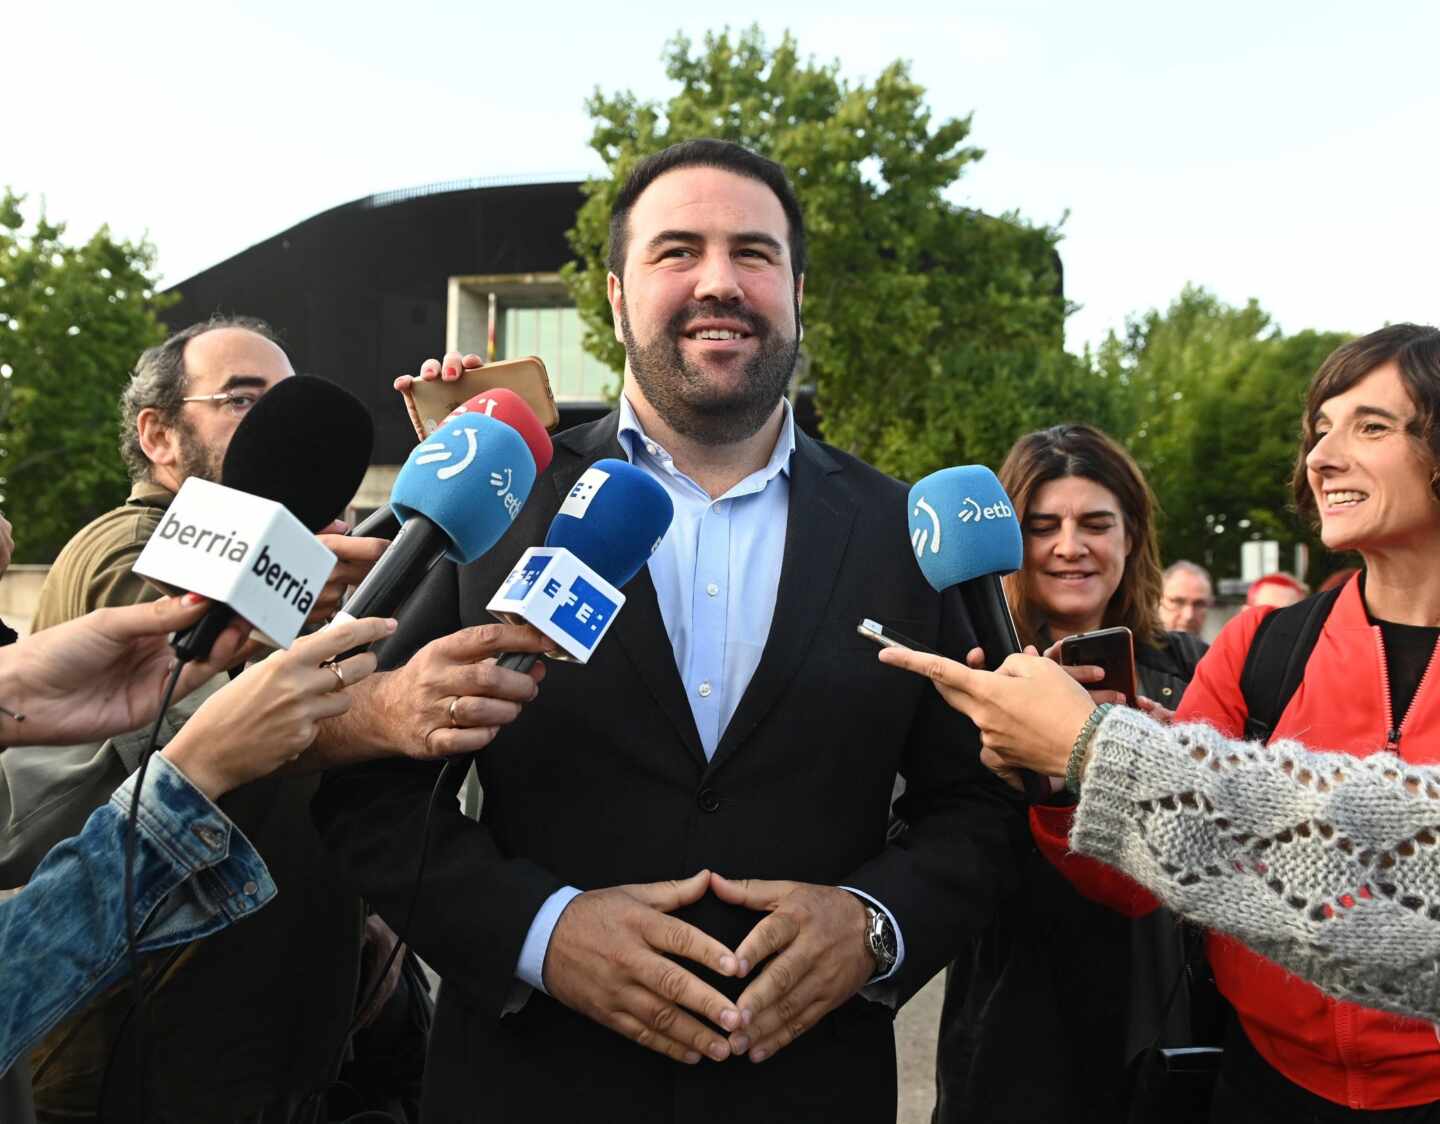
x=382 y=523
x=305 y=445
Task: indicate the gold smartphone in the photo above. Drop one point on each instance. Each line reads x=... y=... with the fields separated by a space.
x=430 y=400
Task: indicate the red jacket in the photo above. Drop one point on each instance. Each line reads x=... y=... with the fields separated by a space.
x=1351 y=1055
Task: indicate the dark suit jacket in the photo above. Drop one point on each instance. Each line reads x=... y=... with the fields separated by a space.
x=602 y=781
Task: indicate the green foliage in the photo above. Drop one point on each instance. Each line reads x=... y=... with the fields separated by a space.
x=914 y=308
x=73 y=319
x=1209 y=402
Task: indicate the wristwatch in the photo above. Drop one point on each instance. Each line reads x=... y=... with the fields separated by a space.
x=880 y=938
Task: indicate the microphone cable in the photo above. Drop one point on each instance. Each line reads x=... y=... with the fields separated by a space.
x=132 y=954
x=314 y=1104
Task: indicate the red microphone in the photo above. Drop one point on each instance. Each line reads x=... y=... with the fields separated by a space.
x=508 y=407
x=500 y=404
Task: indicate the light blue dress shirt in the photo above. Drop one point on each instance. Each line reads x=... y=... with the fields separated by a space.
x=716 y=576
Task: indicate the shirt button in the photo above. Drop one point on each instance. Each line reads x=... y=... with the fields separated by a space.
x=249 y=889
x=712 y=589
x=705 y=690
x=651 y=448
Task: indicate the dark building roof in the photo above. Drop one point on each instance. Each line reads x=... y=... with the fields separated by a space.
x=358 y=293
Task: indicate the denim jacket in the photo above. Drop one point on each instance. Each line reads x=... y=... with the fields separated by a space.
x=62 y=937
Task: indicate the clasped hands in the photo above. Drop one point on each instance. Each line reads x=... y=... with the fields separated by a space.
x=613 y=958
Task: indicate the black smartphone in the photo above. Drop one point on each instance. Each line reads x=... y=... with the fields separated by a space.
x=1110 y=648
x=889 y=638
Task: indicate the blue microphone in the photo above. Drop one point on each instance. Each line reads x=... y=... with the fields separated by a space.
x=613 y=517
x=965 y=536
x=456 y=494
x=610 y=522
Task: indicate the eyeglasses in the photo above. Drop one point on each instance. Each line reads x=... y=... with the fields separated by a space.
x=1178 y=603
x=237 y=402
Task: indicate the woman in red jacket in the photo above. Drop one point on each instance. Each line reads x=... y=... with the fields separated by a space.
x=1369 y=468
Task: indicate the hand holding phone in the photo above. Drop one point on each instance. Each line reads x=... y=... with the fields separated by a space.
x=1110 y=649
x=429 y=401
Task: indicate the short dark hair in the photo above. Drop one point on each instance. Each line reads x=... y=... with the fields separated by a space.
x=159 y=380
x=1415 y=349
x=1082 y=450
x=706 y=152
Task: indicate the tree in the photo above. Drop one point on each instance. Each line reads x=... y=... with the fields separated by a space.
x=73 y=320
x=912 y=305
x=1209 y=402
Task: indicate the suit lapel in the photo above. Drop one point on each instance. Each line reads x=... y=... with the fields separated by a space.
x=817 y=531
x=639 y=630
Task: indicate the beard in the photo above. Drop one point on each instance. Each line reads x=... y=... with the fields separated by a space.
x=685 y=397
x=196 y=459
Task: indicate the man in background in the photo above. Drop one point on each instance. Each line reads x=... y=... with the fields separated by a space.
x=1186 y=598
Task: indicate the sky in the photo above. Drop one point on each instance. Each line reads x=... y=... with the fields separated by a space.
x=1273 y=149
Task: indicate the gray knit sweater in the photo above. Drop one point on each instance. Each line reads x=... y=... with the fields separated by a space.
x=1325 y=863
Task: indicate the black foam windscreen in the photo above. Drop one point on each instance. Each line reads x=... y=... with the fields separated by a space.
x=305 y=444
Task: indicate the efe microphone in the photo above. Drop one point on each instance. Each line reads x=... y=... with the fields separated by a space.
x=611 y=521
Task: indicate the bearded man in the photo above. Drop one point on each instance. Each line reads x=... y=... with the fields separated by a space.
x=681 y=867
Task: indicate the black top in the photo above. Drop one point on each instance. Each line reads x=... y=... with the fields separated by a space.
x=1408 y=648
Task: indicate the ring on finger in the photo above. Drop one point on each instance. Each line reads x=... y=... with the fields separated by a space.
x=340 y=675
x=451 y=712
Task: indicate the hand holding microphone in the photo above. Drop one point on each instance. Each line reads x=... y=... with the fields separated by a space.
x=457 y=494
x=965 y=537
x=268 y=716
x=103 y=673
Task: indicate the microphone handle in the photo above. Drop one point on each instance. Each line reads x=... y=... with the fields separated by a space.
x=984 y=600
x=195 y=642
x=403 y=566
x=989 y=611
x=517 y=661
x=382 y=523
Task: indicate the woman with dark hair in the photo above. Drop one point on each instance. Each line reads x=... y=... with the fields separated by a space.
x=1091 y=561
x=1369 y=468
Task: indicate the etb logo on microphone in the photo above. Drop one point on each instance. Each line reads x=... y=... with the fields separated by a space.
x=972 y=512
x=926 y=531
x=455 y=444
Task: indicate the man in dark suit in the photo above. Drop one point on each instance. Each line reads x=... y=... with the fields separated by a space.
x=732 y=723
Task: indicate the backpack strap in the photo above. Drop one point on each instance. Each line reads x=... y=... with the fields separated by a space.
x=1276 y=661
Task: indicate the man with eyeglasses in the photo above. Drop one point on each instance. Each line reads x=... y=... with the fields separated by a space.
x=240 y=1027
x=1186 y=598
x=177 y=416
